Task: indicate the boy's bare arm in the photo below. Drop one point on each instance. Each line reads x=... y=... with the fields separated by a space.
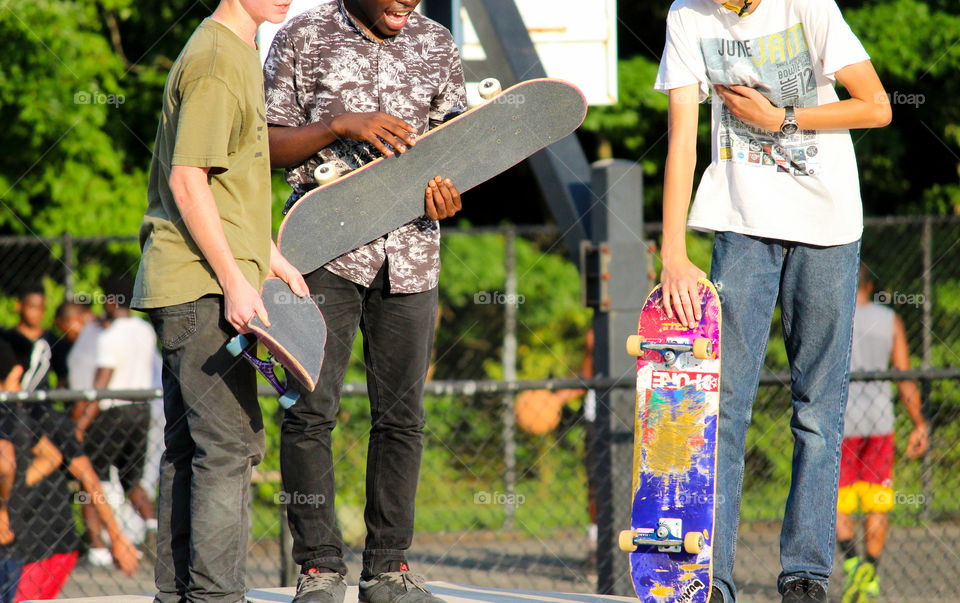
x=8 y=469
x=84 y=411
x=194 y=199
x=867 y=107
x=679 y=275
x=290 y=146
x=900 y=359
x=124 y=553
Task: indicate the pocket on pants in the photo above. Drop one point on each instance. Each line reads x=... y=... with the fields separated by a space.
x=175 y=324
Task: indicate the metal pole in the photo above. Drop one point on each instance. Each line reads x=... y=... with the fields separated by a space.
x=927 y=244
x=509 y=375
x=69 y=261
x=926 y=462
x=620 y=281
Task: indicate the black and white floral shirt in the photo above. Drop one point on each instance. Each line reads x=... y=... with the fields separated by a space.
x=322 y=64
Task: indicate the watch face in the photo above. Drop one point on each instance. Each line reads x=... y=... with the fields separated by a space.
x=788 y=129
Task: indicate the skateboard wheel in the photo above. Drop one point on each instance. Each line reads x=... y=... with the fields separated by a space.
x=633 y=345
x=236 y=345
x=702 y=348
x=289 y=398
x=489 y=88
x=325 y=173
x=693 y=542
x=626 y=541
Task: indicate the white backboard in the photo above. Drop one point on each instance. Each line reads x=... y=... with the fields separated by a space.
x=576 y=41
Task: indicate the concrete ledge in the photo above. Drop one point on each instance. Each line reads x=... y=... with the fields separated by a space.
x=451 y=593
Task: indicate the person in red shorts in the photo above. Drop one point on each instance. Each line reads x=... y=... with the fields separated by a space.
x=39 y=452
x=866 y=463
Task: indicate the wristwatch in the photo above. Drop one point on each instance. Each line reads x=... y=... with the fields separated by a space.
x=789 y=126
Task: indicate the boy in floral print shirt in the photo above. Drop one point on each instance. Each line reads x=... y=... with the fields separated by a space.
x=347 y=82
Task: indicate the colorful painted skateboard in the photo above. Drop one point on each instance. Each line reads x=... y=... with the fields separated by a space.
x=295 y=340
x=674 y=457
x=346 y=212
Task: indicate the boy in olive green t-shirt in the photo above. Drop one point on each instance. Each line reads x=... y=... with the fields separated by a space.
x=207 y=249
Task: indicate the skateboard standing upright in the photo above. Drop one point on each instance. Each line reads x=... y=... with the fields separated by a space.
x=348 y=211
x=674 y=457
x=295 y=339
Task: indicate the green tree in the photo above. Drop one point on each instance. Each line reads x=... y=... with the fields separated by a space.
x=60 y=86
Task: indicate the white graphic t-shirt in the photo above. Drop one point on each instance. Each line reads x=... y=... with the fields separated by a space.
x=803 y=187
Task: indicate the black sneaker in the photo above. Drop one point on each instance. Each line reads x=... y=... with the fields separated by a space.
x=715 y=595
x=804 y=590
x=396 y=587
x=316 y=586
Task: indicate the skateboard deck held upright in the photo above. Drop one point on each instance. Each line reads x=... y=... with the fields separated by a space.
x=674 y=458
x=295 y=339
x=352 y=210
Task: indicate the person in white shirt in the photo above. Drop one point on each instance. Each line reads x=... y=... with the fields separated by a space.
x=115 y=431
x=781 y=194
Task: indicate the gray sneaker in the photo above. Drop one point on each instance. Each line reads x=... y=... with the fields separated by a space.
x=804 y=590
x=320 y=587
x=396 y=587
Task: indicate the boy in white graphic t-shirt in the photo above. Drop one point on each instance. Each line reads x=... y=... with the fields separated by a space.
x=782 y=196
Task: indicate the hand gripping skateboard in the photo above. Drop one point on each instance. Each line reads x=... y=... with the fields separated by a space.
x=347 y=212
x=295 y=340
x=674 y=456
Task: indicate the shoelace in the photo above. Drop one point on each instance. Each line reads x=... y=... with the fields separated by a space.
x=407 y=578
x=317 y=581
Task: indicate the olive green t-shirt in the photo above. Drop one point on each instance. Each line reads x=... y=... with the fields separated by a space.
x=213 y=116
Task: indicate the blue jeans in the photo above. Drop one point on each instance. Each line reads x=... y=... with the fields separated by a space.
x=817 y=291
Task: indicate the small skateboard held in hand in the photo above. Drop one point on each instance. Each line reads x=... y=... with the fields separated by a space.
x=295 y=340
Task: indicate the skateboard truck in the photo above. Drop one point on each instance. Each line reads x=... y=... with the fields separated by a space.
x=238 y=347
x=666 y=538
x=701 y=348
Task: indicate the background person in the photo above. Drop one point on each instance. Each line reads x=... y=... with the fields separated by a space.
x=866 y=464
x=30 y=341
x=115 y=432
x=39 y=453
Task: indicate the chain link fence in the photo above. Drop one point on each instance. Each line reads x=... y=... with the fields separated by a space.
x=504 y=497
